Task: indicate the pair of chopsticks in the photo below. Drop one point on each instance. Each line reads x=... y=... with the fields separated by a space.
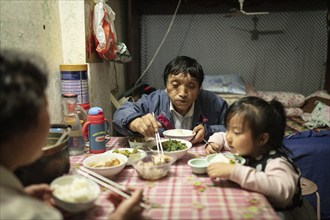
x=115 y=187
x=208 y=143
x=159 y=145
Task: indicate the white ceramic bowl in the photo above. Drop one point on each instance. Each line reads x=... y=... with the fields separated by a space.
x=99 y=159
x=74 y=193
x=178 y=153
x=184 y=134
x=131 y=153
x=141 y=142
x=198 y=165
x=148 y=170
x=232 y=158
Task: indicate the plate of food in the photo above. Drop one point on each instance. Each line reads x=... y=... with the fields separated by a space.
x=106 y=164
x=132 y=154
x=154 y=166
x=141 y=142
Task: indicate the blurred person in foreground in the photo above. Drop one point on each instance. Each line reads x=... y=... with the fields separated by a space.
x=183 y=104
x=24 y=128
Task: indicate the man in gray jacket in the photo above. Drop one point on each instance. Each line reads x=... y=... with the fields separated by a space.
x=183 y=104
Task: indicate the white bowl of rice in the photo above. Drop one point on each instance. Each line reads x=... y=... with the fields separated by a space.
x=183 y=134
x=74 y=193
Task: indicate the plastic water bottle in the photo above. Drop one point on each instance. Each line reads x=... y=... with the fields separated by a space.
x=95 y=129
x=68 y=98
x=76 y=142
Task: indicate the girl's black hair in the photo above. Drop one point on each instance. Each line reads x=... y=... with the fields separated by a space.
x=184 y=64
x=261 y=116
x=23 y=81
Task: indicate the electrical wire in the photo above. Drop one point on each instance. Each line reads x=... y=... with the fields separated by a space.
x=161 y=44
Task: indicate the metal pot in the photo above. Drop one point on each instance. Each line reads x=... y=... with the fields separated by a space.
x=54 y=162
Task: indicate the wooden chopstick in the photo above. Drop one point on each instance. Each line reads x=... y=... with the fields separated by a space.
x=159 y=148
x=208 y=143
x=159 y=145
x=107 y=184
x=114 y=184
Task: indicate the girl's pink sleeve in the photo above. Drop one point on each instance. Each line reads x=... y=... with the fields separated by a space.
x=220 y=139
x=278 y=182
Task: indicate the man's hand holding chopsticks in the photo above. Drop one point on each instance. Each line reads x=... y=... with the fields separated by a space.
x=146 y=125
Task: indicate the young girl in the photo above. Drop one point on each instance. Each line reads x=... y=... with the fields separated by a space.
x=255 y=129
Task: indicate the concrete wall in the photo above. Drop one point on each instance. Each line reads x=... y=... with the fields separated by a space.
x=56 y=31
x=35 y=26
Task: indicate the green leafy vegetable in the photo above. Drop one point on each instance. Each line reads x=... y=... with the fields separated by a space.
x=172 y=145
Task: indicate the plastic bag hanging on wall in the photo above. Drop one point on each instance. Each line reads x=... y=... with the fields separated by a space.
x=107 y=46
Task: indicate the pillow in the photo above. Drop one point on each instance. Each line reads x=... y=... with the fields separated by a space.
x=229 y=83
x=293 y=112
x=288 y=99
x=231 y=98
x=311 y=103
x=320 y=93
x=320 y=116
x=250 y=90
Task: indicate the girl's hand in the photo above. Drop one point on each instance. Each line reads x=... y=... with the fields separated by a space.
x=221 y=170
x=41 y=192
x=212 y=148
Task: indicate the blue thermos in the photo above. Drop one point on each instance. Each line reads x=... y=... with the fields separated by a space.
x=95 y=129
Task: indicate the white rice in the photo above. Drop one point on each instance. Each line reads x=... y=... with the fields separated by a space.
x=220 y=158
x=78 y=191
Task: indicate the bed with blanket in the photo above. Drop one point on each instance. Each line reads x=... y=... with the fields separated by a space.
x=307 y=133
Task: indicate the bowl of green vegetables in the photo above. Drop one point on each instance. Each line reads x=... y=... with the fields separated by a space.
x=177 y=147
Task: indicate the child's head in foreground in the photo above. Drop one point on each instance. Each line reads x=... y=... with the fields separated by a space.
x=23 y=114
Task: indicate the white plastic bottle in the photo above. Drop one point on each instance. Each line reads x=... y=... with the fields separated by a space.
x=76 y=143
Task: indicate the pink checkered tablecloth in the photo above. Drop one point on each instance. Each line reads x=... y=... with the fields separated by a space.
x=182 y=194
